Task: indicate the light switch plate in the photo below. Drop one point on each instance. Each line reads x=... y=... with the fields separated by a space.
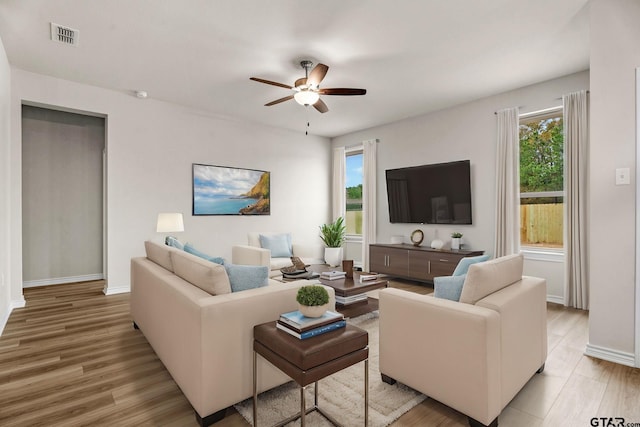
x=622 y=176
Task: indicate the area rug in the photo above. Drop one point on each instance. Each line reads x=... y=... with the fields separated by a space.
x=341 y=394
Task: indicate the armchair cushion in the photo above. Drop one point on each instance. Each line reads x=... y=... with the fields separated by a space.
x=448 y=287
x=488 y=277
x=278 y=244
x=243 y=277
x=463 y=265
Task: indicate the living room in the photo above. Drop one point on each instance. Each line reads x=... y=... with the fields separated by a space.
x=152 y=144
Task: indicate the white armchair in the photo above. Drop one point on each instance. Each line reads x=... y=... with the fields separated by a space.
x=475 y=354
x=255 y=254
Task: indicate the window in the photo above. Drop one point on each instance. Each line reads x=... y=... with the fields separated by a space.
x=353 y=214
x=542 y=180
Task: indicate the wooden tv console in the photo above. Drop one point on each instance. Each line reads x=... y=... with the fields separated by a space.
x=415 y=262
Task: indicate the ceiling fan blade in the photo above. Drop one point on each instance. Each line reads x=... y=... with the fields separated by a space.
x=321 y=106
x=342 y=91
x=269 y=82
x=317 y=74
x=278 y=101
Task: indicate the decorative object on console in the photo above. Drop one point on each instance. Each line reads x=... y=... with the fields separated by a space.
x=219 y=190
x=417 y=237
x=436 y=243
x=170 y=222
x=313 y=300
x=455 y=240
x=332 y=235
x=396 y=240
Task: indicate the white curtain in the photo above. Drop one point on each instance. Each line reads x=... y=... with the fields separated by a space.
x=576 y=137
x=338 y=190
x=369 y=202
x=507 y=183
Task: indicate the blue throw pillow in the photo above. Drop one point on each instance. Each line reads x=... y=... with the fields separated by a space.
x=448 y=287
x=463 y=265
x=278 y=244
x=173 y=242
x=243 y=277
x=190 y=249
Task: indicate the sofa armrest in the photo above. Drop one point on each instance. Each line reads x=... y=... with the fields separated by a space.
x=314 y=252
x=448 y=350
x=250 y=255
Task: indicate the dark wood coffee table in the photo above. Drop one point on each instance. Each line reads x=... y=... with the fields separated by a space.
x=351 y=288
x=308 y=361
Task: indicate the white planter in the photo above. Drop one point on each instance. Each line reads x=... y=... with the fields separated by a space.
x=313 y=310
x=455 y=243
x=333 y=256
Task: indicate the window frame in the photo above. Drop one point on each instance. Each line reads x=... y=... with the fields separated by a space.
x=539 y=253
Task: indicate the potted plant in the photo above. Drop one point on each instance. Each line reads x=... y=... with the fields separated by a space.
x=332 y=235
x=455 y=240
x=313 y=300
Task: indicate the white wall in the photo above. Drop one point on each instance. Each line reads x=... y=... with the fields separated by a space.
x=615 y=53
x=466 y=131
x=5 y=295
x=150 y=148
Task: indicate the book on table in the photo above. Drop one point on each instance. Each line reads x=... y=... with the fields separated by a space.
x=352 y=299
x=300 y=323
x=319 y=330
x=368 y=276
x=333 y=275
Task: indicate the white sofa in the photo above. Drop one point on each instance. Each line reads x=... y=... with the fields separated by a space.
x=473 y=355
x=205 y=341
x=254 y=254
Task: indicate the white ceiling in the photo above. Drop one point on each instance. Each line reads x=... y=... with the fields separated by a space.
x=412 y=56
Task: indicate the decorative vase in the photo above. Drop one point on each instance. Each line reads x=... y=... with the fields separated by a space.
x=436 y=244
x=313 y=310
x=333 y=256
x=455 y=243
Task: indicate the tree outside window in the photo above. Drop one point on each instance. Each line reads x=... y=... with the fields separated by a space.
x=542 y=181
x=353 y=216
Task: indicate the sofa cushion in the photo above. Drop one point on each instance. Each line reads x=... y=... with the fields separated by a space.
x=488 y=277
x=188 y=247
x=278 y=244
x=466 y=262
x=208 y=276
x=160 y=254
x=243 y=277
x=448 y=287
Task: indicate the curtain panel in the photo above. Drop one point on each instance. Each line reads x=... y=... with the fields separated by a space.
x=507 y=219
x=369 y=202
x=576 y=137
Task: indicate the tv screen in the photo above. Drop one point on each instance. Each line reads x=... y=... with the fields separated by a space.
x=430 y=194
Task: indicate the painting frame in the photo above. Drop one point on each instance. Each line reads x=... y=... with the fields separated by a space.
x=229 y=191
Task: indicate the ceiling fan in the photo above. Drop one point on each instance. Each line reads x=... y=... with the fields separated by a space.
x=307 y=89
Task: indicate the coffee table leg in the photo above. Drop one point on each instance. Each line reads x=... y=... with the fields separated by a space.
x=255 y=389
x=315 y=394
x=366 y=392
x=303 y=406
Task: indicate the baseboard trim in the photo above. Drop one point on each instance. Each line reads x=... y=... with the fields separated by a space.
x=113 y=290
x=615 y=356
x=555 y=299
x=62 y=280
x=19 y=303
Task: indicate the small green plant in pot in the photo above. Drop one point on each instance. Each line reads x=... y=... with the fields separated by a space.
x=455 y=240
x=313 y=300
x=332 y=235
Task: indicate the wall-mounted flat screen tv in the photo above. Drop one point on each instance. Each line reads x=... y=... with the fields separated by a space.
x=430 y=194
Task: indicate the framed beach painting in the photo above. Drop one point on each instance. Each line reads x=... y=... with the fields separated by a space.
x=221 y=190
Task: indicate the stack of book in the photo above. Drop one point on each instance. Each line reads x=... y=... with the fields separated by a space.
x=368 y=276
x=352 y=299
x=301 y=327
x=333 y=275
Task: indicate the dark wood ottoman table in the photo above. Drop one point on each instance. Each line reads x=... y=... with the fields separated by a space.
x=308 y=361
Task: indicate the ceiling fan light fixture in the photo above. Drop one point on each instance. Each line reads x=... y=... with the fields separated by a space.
x=306 y=97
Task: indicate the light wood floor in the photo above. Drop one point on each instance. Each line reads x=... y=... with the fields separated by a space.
x=71 y=357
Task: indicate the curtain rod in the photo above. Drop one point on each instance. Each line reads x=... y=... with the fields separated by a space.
x=556 y=99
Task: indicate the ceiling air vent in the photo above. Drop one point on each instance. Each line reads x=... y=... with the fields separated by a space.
x=64 y=35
